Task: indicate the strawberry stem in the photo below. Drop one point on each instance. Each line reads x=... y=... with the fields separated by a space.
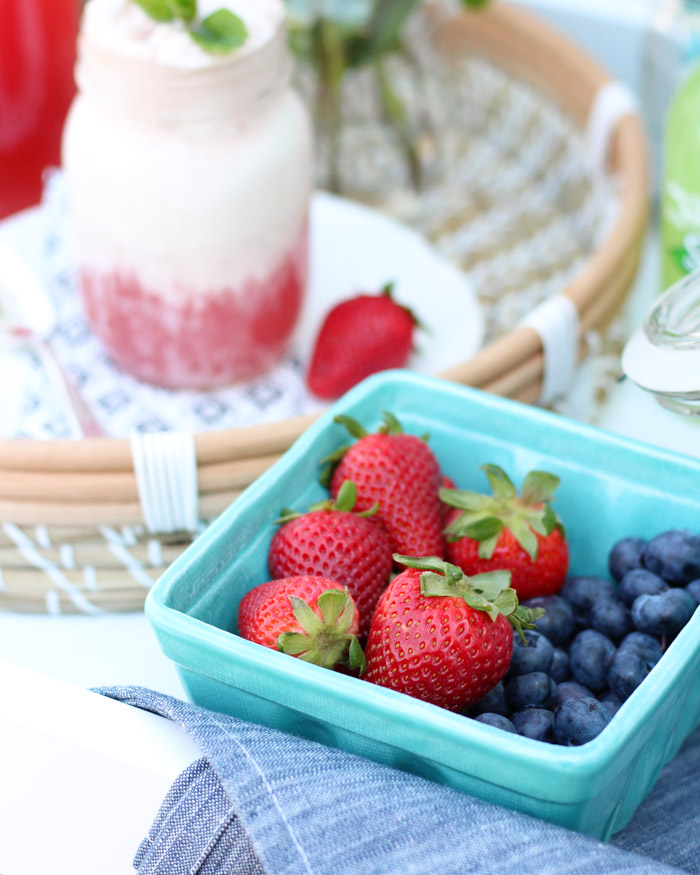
x=325 y=641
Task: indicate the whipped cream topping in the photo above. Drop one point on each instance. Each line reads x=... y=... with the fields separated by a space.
x=123 y=28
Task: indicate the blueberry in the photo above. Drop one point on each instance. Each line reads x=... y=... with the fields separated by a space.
x=534 y=723
x=628 y=668
x=663 y=614
x=494 y=702
x=581 y=592
x=558 y=622
x=638 y=582
x=611 y=701
x=497 y=720
x=610 y=618
x=625 y=555
x=647 y=645
x=675 y=556
x=589 y=656
x=578 y=721
x=559 y=670
x=536 y=655
x=534 y=690
x=570 y=690
x=694 y=589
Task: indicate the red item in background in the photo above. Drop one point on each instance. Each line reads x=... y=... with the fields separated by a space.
x=37 y=57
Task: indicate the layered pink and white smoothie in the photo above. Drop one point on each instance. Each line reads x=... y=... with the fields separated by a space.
x=189 y=178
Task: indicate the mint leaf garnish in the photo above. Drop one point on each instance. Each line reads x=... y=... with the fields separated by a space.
x=220 y=33
x=185 y=9
x=158 y=10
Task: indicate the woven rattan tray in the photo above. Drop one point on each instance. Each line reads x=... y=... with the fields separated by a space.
x=73 y=537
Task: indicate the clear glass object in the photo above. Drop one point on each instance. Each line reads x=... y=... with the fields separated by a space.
x=671 y=329
x=674 y=320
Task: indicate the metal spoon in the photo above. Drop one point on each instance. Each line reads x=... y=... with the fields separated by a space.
x=19 y=282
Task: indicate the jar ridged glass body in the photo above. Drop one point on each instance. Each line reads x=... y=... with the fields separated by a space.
x=189 y=195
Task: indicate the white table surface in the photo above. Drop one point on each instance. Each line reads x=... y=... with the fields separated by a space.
x=93 y=772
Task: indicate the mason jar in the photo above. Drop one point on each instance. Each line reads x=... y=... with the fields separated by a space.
x=188 y=182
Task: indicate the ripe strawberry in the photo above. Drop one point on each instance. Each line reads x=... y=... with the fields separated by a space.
x=331 y=541
x=360 y=336
x=521 y=534
x=442 y=637
x=311 y=618
x=400 y=473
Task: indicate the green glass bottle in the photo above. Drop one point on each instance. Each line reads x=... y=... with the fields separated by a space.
x=680 y=195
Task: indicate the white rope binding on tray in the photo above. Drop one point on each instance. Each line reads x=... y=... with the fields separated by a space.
x=165 y=464
x=27 y=549
x=556 y=321
x=612 y=102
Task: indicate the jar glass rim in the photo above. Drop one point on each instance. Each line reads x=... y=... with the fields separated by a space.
x=159 y=92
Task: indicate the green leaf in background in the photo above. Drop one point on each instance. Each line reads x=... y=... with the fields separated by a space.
x=158 y=10
x=387 y=23
x=220 y=33
x=475 y=4
x=381 y=33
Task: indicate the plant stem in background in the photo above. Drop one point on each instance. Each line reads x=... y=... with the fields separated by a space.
x=338 y=37
x=395 y=113
x=331 y=68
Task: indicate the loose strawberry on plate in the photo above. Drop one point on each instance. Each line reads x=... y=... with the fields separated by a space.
x=332 y=541
x=358 y=337
x=399 y=472
x=503 y=530
x=311 y=618
x=443 y=637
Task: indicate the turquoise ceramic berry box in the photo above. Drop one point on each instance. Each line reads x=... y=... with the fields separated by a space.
x=610 y=487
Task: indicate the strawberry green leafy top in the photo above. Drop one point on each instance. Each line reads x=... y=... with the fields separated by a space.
x=390 y=425
x=328 y=641
x=489 y=592
x=344 y=501
x=484 y=517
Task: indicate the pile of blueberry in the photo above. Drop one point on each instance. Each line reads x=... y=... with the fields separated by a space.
x=597 y=641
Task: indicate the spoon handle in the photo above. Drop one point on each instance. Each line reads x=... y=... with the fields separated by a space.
x=80 y=417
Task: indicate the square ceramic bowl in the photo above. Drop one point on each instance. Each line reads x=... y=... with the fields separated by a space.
x=610 y=488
